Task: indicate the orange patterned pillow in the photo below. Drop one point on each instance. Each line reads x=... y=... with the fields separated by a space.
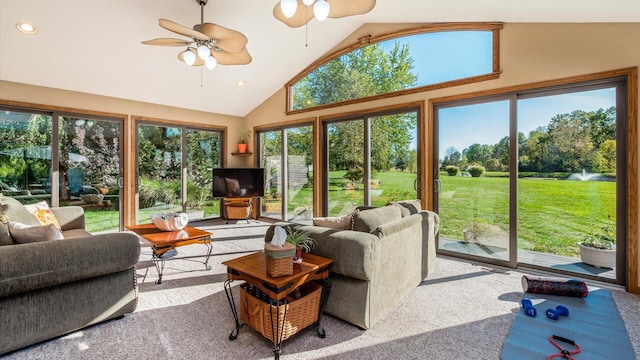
x=42 y=212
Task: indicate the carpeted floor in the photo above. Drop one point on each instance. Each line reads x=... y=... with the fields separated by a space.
x=463 y=310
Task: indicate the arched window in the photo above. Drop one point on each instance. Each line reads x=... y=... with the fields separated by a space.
x=413 y=60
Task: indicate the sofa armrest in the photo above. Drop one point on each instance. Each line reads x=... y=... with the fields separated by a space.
x=353 y=252
x=26 y=267
x=69 y=217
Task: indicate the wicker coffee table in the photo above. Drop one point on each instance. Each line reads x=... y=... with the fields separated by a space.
x=163 y=243
x=277 y=294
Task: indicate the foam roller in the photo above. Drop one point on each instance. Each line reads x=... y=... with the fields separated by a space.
x=554 y=286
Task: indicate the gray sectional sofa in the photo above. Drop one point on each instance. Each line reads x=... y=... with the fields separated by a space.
x=381 y=256
x=50 y=288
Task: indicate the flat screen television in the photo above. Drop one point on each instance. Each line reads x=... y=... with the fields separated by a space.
x=238 y=182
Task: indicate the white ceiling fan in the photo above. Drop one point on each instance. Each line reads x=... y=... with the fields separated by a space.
x=208 y=44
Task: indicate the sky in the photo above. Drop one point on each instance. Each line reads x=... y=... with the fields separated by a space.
x=487 y=123
x=444 y=56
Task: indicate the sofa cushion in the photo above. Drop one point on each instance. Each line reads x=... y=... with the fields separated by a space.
x=24 y=234
x=335 y=222
x=51 y=263
x=74 y=233
x=369 y=220
x=42 y=212
x=409 y=207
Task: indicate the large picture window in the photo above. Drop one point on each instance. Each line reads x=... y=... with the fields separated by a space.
x=397 y=63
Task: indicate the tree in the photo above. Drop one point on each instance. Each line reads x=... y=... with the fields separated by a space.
x=364 y=72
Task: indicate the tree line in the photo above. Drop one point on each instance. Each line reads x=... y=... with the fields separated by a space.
x=571 y=142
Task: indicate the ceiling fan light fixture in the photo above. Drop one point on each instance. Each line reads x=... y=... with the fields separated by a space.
x=189 y=57
x=203 y=52
x=210 y=62
x=288 y=7
x=308 y=2
x=321 y=10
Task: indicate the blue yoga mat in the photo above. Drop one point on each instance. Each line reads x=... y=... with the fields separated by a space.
x=593 y=322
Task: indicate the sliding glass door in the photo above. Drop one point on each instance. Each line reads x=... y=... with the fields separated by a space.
x=371 y=160
x=159 y=174
x=473 y=173
x=174 y=170
x=91 y=167
x=65 y=160
x=568 y=177
x=286 y=154
x=529 y=177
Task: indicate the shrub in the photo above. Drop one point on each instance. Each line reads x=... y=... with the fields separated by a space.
x=452 y=170
x=476 y=170
x=354 y=174
x=156 y=191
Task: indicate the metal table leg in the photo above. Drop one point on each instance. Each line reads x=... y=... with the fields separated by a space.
x=277 y=329
x=158 y=261
x=234 y=311
x=326 y=290
x=206 y=261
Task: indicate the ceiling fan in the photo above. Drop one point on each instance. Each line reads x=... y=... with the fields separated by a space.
x=208 y=44
x=294 y=13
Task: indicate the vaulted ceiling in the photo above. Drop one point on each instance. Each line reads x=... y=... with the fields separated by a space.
x=95 y=46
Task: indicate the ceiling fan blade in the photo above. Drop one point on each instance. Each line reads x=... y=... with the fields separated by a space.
x=302 y=16
x=227 y=58
x=227 y=39
x=182 y=30
x=342 y=8
x=167 y=42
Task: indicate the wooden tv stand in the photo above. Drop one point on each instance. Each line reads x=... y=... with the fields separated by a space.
x=239 y=209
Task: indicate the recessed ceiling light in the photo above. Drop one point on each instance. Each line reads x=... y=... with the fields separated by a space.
x=26 y=28
x=240 y=83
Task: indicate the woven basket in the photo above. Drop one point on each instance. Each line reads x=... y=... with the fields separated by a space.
x=279 y=260
x=300 y=313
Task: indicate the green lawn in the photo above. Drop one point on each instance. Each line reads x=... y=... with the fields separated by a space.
x=552 y=214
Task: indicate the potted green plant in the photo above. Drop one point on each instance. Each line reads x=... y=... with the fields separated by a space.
x=245 y=135
x=598 y=247
x=301 y=240
x=474 y=231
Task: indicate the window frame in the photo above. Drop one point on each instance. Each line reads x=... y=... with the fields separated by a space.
x=366 y=40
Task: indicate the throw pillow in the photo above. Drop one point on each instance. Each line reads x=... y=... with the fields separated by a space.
x=5 y=237
x=409 y=207
x=42 y=212
x=369 y=220
x=24 y=234
x=335 y=222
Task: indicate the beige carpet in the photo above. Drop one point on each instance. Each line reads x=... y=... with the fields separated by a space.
x=462 y=311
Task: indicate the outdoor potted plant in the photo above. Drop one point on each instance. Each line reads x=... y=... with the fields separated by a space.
x=474 y=231
x=245 y=135
x=301 y=240
x=598 y=248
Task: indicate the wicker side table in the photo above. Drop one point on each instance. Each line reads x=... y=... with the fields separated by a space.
x=278 y=294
